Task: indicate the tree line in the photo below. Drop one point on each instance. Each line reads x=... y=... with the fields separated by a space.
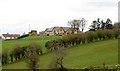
x=86 y=37
x=30 y=53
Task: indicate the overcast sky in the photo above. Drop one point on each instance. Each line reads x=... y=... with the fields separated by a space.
x=16 y=15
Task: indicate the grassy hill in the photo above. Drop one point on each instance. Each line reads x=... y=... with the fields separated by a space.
x=79 y=56
x=8 y=45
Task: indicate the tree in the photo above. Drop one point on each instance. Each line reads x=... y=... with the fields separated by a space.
x=77 y=23
x=108 y=24
x=58 y=57
x=74 y=25
x=32 y=57
x=83 y=23
x=17 y=51
x=95 y=25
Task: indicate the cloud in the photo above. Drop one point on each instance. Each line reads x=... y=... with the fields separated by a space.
x=16 y=15
x=102 y=4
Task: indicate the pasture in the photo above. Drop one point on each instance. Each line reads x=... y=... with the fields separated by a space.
x=8 y=45
x=78 y=56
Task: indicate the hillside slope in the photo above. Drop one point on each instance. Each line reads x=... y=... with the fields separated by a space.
x=92 y=54
x=8 y=45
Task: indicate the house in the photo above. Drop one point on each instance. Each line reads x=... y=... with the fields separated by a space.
x=49 y=31
x=59 y=31
x=10 y=36
x=33 y=32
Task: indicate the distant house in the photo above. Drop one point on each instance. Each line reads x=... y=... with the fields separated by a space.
x=59 y=31
x=33 y=32
x=10 y=36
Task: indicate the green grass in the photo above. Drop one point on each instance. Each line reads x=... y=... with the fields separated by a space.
x=79 y=56
x=8 y=45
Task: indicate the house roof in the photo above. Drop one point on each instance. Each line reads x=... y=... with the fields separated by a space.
x=49 y=29
x=11 y=35
x=33 y=30
x=57 y=28
x=66 y=28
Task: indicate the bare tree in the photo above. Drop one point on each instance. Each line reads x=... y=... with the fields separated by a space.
x=58 y=57
x=32 y=56
x=78 y=23
x=83 y=23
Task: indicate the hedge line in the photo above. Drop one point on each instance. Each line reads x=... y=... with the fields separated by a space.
x=19 y=52
x=87 y=37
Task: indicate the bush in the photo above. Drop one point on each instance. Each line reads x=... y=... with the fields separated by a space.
x=89 y=36
x=53 y=44
x=36 y=47
x=109 y=34
x=116 y=32
x=31 y=55
x=4 y=57
x=17 y=51
x=100 y=34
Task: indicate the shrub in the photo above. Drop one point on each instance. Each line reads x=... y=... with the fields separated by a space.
x=116 y=32
x=17 y=51
x=31 y=55
x=58 y=57
x=4 y=57
x=36 y=47
x=11 y=57
x=100 y=34
x=90 y=36
x=109 y=34
x=23 y=36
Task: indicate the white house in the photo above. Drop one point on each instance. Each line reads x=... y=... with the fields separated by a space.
x=10 y=36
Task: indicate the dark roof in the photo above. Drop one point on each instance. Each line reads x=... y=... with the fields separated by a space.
x=49 y=29
x=66 y=28
x=57 y=28
x=11 y=35
x=33 y=30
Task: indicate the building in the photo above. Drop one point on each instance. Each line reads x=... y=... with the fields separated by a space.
x=119 y=11
x=33 y=32
x=59 y=31
x=10 y=36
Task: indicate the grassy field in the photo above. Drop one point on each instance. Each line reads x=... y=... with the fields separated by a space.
x=8 y=45
x=79 y=56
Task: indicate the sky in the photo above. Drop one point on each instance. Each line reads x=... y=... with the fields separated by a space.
x=16 y=15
